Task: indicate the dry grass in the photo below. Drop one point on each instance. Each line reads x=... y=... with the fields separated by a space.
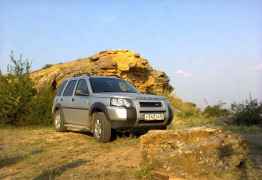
x=42 y=153
x=192 y=121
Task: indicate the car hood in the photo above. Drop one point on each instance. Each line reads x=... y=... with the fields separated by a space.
x=136 y=96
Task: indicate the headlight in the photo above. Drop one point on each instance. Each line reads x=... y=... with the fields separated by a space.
x=121 y=102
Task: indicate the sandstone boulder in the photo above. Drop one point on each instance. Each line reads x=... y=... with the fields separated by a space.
x=195 y=153
x=121 y=63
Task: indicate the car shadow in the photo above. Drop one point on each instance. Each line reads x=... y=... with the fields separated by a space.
x=117 y=134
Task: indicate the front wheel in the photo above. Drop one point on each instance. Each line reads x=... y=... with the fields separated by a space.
x=59 y=121
x=101 y=127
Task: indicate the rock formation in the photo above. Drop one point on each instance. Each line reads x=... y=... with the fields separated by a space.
x=196 y=153
x=121 y=63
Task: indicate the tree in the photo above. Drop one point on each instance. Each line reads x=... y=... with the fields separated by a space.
x=16 y=91
x=247 y=113
x=19 y=67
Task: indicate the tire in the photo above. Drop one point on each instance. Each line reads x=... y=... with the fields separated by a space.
x=101 y=127
x=59 y=121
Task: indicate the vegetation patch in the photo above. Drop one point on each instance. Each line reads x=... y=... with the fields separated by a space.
x=21 y=103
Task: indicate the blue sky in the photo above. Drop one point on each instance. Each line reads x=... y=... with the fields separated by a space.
x=211 y=50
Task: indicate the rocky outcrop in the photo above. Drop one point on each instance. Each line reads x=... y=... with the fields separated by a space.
x=196 y=153
x=121 y=63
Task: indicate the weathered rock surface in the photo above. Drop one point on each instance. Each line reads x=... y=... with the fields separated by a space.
x=122 y=63
x=196 y=153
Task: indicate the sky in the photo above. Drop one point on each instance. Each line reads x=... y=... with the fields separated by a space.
x=211 y=50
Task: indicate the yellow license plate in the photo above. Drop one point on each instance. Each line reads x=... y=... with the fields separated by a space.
x=154 y=116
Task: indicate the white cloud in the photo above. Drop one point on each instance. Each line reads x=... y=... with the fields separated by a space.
x=183 y=73
x=259 y=67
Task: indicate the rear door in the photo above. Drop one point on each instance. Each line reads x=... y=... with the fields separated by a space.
x=80 y=103
x=58 y=98
x=67 y=101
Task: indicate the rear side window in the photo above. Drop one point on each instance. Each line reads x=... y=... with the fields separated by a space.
x=70 y=88
x=61 y=87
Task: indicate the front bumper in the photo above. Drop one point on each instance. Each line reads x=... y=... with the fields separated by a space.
x=121 y=117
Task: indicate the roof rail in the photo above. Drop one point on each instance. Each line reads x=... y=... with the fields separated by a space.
x=81 y=74
x=115 y=76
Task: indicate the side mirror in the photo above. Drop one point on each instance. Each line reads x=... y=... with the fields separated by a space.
x=81 y=92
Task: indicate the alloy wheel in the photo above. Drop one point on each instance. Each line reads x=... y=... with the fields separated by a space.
x=57 y=120
x=98 y=128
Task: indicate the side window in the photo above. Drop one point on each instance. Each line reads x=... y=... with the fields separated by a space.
x=70 y=88
x=61 y=87
x=82 y=86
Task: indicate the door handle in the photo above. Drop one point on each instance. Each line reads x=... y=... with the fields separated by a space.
x=73 y=99
x=61 y=99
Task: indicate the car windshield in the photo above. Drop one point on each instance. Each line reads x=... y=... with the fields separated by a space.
x=100 y=85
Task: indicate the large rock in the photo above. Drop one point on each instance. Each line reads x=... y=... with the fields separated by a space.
x=196 y=153
x=121 y=63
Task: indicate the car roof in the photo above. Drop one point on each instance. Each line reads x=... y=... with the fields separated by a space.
x=87 y=77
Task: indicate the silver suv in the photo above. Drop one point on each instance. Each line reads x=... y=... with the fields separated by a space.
x=102 y=104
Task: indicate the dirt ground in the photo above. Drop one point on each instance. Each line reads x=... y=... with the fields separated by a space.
x=255 y=150
x=45 y=154
x=42 y=153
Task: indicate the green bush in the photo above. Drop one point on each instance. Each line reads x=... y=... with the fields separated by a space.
x=20 y=103
x=216 y=111
x=41 y=106
x=248 y=113
x=16 y=91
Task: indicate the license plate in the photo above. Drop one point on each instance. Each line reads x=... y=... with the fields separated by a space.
x=154 y=116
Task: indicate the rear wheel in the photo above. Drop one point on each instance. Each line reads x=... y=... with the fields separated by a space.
x=101 y=127
x=59 y=121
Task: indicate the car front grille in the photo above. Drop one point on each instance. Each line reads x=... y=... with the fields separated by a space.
x=150 y=104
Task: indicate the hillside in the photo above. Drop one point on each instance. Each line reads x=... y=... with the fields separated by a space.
x=121 y=63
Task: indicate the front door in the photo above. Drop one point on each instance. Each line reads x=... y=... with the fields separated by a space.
x=80 y=103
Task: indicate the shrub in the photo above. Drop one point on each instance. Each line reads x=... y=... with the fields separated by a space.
x=216 y=111
x=16 y=91
x=41 y=106
x=248 y=113
x=19 y=101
